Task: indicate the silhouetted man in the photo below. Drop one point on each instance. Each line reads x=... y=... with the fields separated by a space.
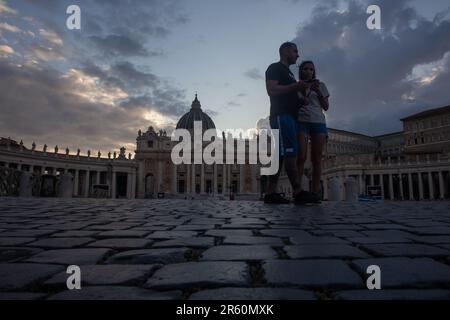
x=282 y=89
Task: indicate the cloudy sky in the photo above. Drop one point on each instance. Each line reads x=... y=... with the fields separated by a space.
x=139 y=63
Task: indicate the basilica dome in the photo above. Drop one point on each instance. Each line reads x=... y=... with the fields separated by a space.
x=195 y=114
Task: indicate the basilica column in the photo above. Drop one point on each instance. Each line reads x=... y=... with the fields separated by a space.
x=75 y=182
x=382 y=186
x=441 y=186
x=188 y=178
x=202 y=178
x=174 y=178
x=372 y=179
x=241 y=178
x=224 y=177
x=420 y=186
x=325 y=188
x=97 y=179
x=193 y=179
x=410 y=185
x=431 y=185
x=114 y=185
x=160 y=177
x=215 y=179
x=361 y=184
x=402 y=197
x=86 y=184
x=391 y=187
x=129 y=182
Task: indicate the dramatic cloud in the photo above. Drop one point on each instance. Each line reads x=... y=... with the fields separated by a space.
x=253 y=74
x=376 y=77
x=86 y=89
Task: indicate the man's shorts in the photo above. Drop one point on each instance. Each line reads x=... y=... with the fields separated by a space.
x=309 y=128
x=287 y=126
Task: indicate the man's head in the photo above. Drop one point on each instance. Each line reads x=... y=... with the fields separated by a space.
x=289 y=53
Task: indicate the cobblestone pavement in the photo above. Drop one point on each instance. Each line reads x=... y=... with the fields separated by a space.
x=211 y=249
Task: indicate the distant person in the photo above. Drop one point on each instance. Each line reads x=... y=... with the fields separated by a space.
x=312 y=126
x=282 y=89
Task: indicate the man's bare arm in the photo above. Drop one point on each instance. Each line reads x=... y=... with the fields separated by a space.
x=275 y=89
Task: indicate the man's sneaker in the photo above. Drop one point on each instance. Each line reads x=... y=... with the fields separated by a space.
x=315 y=198
x=275 y=198
x=305 y=197
x=301 y=198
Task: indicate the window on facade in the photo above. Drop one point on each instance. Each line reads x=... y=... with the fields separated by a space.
x=150 y=144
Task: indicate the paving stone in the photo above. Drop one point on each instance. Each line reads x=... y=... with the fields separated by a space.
x=14 y=241
x=373 y=240
x=192 y=227
x=172 y=234
x=108 y=275
x=253 y=294
x=21 y=296
x=308 y=239
x=252 y=240
x=25 y=233
x=409 y=250
x=14 y=276
x=311 y=274
x=122 y=243
x=70 y=256
x=285 y=233
x=60 y=242
x=74 y=233
x=122 y=234
x=231 y=232
x=247 y=253
x=432 y=230
x=163 y=256
x=393 y=295
x=408 y=272
x=116 y=293
x=324 y=251
x=199 y=242
x=432 y=239
x=12 y=254
x=392 y=234
x=200 y=274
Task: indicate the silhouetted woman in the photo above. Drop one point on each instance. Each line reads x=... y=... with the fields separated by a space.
x=312 y=126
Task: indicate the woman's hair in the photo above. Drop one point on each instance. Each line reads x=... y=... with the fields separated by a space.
x=303 y=64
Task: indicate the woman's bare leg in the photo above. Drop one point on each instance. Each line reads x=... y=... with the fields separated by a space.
x=317 y=144
x=302 y=140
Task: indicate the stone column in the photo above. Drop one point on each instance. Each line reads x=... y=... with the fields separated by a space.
x=224 y=178
x=410 y=186
x=254 y=167
x=241 y=178
x=193 y=191
x=202 y=178
x=431 y=185
x=129 y=182
x=114 y=185
x=174 y=179
x=76 y=182
x=215 y=179
x=159 y=175
x=441 y=186
x=97 y=179
x=188 y=178
x=402 y=197
x=372 y=179
x=382 y=186
x=420 y=186
x=391 y=187
x=361 y=184
x=86 y=184
x=325 y=188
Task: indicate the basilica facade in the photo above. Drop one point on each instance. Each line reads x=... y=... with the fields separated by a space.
x=412 y=164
